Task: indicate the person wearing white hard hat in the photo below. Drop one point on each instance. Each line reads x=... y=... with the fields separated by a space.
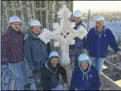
x=15 y=23
x=35 y=24
x=98 y=40
x=78 y=47
x=13 y=52
x=36 y=51
x=85 y=75
x=50 y=74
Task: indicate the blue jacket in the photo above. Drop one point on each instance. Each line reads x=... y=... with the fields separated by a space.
x=36 y=51
x=80 y=83
x=97 y=43
x=78 y=42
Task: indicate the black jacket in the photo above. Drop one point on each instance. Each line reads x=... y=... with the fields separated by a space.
x=47 y=72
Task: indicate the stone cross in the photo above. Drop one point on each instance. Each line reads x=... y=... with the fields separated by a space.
x=64 y=34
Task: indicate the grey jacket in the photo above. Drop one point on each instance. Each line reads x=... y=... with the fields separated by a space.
x=36 y=51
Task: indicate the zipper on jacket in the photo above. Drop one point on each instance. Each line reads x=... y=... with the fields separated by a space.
x=99 y=44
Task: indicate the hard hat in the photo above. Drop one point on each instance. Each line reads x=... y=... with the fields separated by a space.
x=83 y=58
x=14 y=19
x=53 y=54
x=77 y=13
x=35 y=23
x=100 y=18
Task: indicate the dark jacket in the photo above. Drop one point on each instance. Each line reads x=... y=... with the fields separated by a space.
x=90 y=81
x=12 y=46
x=97 y=43
x=36 y=51
x=47 y=74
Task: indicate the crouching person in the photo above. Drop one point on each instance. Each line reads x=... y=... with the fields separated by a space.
x=85 y=76
x=50 y=73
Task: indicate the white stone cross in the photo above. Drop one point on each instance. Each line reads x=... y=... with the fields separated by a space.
x=63 y=33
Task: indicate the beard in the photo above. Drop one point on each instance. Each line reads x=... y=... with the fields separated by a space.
x=37 y=33
x=17 y=29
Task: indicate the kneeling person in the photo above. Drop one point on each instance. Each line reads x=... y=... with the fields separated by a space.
x=50 y=73
x=85 y=76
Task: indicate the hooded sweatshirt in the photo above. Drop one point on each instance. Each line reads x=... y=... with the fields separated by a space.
x=50 y=75
x=85 y=80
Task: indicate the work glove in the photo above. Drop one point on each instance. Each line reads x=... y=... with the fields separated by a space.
x=66 y=86
x=33 y=86
x=119 y=52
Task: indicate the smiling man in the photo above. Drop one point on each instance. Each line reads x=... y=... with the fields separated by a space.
x=98 y=40
x=50 y=74
x=36 y=51
x=13 y=52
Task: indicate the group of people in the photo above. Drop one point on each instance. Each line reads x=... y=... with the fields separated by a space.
x=24 y=58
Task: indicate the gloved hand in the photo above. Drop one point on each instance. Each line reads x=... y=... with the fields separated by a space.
x=5 y=74
x=66 y=86
x=36 y=70
x=119 y=52
x=33 y=86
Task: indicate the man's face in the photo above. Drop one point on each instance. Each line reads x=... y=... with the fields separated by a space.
x=100 y=25
x=16 y=26
x=84 y=65
x=77 y=19
x=54 y=61
x=36 y=29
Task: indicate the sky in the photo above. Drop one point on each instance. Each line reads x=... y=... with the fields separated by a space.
x=84 y=6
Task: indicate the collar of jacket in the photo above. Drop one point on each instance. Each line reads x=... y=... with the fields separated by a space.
x=78 y=24
x=85 y=73
x=14 y=31
x=49 y=67
x=33 y=36
x=87 y=70
x=103 y=30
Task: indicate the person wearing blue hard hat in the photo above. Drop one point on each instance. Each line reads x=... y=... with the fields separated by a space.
x=85 y=75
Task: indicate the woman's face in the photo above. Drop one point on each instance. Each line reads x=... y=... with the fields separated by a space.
x=84 y=65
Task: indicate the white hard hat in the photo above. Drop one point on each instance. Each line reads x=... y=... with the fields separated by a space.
x=14 y=19
x=53 y=54
x=83 y=58
x=100 y=18
x=77 y=13
x=35 y=23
